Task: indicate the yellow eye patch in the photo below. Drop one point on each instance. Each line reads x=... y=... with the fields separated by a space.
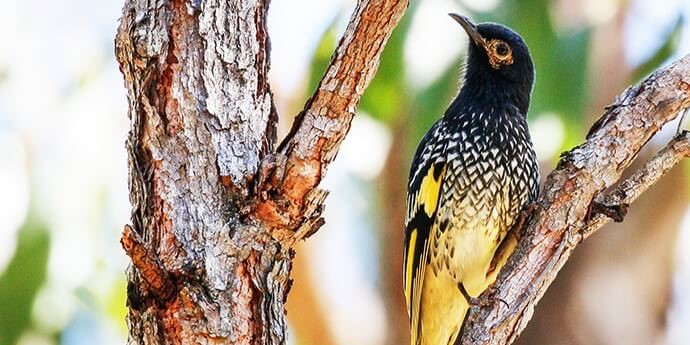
x=499 y=53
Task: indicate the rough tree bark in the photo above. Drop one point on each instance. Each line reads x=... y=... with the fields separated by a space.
x=216 y=207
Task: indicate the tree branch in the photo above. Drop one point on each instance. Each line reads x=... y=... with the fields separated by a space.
x=562 y=217
x=313 y=142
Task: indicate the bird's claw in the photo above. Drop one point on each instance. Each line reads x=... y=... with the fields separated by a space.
x=522 y=218
x=488 y=298
x=615 y=212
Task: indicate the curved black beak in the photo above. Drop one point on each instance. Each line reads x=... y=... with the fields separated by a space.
x=470 y=28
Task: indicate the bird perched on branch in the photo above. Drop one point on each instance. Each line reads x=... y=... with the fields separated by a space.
x=471 y=176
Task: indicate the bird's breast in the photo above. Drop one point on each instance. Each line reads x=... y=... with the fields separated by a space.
x=491 y=174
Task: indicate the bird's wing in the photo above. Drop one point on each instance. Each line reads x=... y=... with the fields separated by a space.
x=424 y=192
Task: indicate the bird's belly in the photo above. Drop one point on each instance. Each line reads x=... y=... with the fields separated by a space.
x=465 y=260
x=473 y=239
x=472 y=251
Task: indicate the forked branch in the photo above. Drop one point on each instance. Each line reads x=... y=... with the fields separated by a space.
x=632 y=187
x=290 y=201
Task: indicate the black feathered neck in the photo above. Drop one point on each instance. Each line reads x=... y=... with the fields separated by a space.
x=487 y=87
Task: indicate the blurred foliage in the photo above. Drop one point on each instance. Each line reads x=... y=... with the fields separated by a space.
x=22 y=279
x=427 y=103
x=115 y=304
x=663 y=54
x=322 y=56
x=560 y=60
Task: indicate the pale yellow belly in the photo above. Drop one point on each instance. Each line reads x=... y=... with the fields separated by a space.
x=469 y=244
x=470 y=254
x=465 y=253
x=469 y=259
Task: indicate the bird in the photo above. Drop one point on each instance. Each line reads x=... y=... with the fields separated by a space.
x=471 y=178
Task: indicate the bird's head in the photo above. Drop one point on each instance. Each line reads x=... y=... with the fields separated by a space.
x=498 y=59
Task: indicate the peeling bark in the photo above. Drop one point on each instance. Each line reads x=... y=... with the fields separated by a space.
x=564 y=217
x=215 y=208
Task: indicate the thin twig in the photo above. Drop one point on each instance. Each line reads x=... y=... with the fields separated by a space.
x=630 y=189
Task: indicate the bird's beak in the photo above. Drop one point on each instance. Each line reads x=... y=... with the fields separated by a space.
x=470 y=28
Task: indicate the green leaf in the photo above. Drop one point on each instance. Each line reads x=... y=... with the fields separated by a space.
x=22 y=279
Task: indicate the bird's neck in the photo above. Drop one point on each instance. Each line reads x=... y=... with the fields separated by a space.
x=487 y=93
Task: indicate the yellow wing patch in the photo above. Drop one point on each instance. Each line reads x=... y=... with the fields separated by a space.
x=408 y=265
x=427 y=200
x=423 y=204
x=429 y=190
x=443 y=310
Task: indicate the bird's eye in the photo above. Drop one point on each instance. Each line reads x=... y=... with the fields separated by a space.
x=502 y=49
x=499 y=53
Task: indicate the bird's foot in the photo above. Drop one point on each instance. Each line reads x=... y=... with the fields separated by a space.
x=615 y=212
x=488 y=298
x=522 y=218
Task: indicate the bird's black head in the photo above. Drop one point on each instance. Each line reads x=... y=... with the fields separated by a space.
x=499 y=65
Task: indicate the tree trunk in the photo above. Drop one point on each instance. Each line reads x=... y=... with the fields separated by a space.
x=216 y=208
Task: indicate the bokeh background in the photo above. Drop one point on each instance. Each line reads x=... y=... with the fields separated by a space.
x=63 y=169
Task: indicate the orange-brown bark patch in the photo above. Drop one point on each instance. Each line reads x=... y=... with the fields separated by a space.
x=181 y=308
x=300 y=178
x=242 y=306
x=268 y=212
x=226 y=181
x=160 y=206
x=147 y=265
x=169 y=105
